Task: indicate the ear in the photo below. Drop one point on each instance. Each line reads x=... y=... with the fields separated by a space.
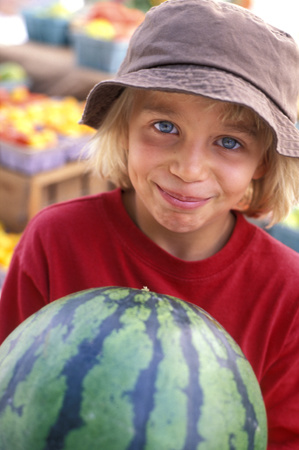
x=260 y=171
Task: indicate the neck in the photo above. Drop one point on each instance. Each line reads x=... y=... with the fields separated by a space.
x=196 y=246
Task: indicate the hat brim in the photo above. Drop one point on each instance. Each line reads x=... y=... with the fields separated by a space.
x=199 y=80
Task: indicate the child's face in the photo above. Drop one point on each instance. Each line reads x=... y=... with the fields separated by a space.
x=187 y=166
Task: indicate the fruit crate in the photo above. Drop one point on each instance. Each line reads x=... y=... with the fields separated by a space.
x=31 y=161
x=99 y=54
x=22 y=196
x=50 y=30
x=2 y=276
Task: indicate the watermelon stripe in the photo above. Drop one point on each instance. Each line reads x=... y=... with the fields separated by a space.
x=25 y=364
x=193 y=390
x=27 y=360
x=251 y=421
x=145 y=385
x=80 y=366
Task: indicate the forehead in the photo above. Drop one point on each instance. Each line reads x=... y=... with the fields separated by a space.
x=150 y=99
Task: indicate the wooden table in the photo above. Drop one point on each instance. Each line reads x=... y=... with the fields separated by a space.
x=22 y=196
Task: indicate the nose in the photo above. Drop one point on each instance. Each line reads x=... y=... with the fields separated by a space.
x=190 y=162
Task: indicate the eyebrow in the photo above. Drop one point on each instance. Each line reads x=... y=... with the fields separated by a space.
x=241 y=128
x=161 y=109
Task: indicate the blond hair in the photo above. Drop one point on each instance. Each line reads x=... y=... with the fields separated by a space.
x=272 y=196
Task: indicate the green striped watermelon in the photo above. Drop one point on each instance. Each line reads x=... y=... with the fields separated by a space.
x=118 y=368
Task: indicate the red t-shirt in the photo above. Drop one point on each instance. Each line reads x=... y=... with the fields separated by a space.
x=251 y=287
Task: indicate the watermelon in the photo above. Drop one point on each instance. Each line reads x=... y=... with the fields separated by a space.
x=117 y=368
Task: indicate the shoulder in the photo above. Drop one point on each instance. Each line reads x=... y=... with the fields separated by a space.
x=70 y=220
x=269 y=252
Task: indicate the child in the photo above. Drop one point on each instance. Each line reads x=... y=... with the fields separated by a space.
x=196 y=131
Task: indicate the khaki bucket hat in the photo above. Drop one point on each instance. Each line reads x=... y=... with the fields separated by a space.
x=215 y=49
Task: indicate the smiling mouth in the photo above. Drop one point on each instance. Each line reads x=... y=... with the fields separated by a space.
x=182 y=201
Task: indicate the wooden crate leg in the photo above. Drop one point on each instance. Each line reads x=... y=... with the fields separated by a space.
x=35 y=199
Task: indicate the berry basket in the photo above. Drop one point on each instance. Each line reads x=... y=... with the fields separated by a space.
x=74 y=148
x=31 y=161
x=99 y=54
x=50 y=30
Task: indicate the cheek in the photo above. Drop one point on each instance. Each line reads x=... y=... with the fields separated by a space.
x=143 y=153
x=139 y=163
x=236 y=179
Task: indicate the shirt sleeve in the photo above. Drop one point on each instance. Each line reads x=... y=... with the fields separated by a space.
x=280 y=387
x=24 y=290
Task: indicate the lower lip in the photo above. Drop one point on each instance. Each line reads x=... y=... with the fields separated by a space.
x=182 y=203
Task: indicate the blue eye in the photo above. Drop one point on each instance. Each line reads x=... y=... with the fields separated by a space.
x=166 y=127
x=229 y=143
